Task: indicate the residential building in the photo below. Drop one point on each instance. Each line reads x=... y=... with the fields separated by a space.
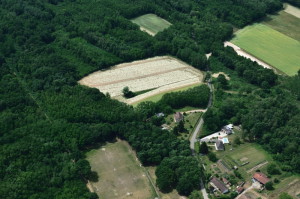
x=219 y=145
x=261 y=178
x=178 y=117
x=219 y=185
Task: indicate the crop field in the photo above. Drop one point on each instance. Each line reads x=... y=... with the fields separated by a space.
x=292 y=10
x=285 y=23
x=120 y=175
x=271 y=46
x=151 y=23
x=158 y=74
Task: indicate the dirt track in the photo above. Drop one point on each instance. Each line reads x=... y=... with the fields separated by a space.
x=242 y=53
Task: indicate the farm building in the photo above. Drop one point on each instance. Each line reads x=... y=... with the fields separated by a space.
x=178 y=117
x=219 y=145
x=219 y=185
x=261 y=178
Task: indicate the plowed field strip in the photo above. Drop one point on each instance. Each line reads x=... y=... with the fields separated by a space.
x=138 y=77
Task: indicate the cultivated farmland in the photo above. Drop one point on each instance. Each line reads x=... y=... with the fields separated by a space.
x=285 y=23
x=120 y=175
x=161 y=74
x=271 y=46
x=151 y=23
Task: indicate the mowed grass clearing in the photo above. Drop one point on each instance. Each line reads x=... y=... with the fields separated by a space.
x=248 y=152
x=151 y=23
x=271 y=46
x=285 y=23
x=120 y=175
x=156 y=98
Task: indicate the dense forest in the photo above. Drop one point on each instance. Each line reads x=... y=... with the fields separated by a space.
x=47 y=121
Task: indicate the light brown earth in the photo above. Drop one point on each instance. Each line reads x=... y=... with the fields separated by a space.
x=120 y=173
x=216 y=75
x=158 y=73
x=292 y=10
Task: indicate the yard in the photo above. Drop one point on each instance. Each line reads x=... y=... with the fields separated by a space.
x=120 y=174
x=151 y=23
x=271 y=46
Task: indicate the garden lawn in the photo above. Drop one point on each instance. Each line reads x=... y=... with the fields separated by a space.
x=271 y=46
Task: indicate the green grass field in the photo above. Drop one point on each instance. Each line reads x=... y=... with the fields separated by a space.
x=285 y=23
x=119 y=173
x=156 y=98
x=151 y=23
x=271 y=46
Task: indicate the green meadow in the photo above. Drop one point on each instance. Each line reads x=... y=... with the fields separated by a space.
x=271 y=46
x=151 y=23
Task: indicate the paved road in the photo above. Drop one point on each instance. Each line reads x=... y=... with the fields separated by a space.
x=193 y=138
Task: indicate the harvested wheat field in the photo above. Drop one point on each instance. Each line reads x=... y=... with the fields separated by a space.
x=120 y=173
x=158 y=74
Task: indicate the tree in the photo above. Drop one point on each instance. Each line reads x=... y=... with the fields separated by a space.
x=127 y=93
x=237 y=141
x=165 y=178
x=222 y=81
x=285 y=196
x=273 y=170
x=269 y=186
x=181 y=126
x=203 y=148
x=212 y=157
x=196 y=195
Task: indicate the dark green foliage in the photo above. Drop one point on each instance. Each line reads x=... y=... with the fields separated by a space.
x=127 y=93
x=273 y=170
x=212 y=157
x=285 y=196
x=196 y=97
x=269 y=186
x=185 y=171
x=222 y=81
x=203 y=148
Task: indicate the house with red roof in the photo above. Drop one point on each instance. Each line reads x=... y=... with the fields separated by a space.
x=261 y=178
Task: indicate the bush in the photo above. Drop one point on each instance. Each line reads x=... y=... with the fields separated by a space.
x=273 y=170
x=269 y=186
x=212 y=157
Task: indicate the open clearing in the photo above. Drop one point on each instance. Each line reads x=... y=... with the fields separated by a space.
x=292 y=10
x=285 y=23
x=161 y=74
x=120 y=175
x=151 y=23
x=271 y=46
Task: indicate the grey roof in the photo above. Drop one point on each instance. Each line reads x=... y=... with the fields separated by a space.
x=219 y=184
x=220 y=145
x=178 y=117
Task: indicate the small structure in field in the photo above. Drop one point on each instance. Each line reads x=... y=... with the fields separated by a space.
x=160 y=115
x=178 y=117
x=219 y=185
x=219 y=145
x=261 y=178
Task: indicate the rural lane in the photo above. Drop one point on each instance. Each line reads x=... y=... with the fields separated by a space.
x=193 y=138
